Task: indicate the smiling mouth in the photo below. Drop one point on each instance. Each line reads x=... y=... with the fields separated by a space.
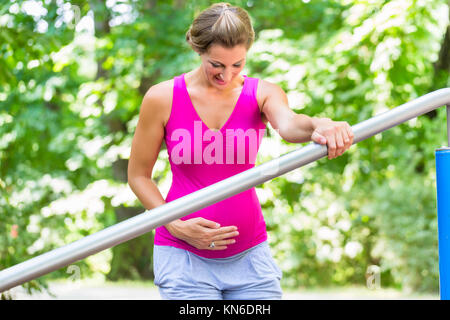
x=219 y=80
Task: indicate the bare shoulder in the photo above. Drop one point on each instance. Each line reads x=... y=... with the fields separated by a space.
x=158 y=100
x=267 y=89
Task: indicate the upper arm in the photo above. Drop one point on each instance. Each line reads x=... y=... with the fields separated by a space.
x=275 y=106
x=149 y=132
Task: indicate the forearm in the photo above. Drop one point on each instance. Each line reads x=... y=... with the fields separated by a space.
x=149 y=195
x=299 y=129
x=147 y=192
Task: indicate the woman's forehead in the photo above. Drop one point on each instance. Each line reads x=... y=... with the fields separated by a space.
x=231 y=55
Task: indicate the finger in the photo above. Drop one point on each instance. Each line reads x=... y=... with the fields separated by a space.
x=222 y=230
x=350 y=134
x=217 y=246
x=207 y=223
x=318 y=138
x=331 y=146
x=346 y=138
x=224 y=243
x=339 y=143
x=226 y=235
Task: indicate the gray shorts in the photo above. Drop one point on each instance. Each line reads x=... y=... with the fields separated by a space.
x=251 y=274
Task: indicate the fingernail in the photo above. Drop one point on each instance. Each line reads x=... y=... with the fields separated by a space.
x=218 y=225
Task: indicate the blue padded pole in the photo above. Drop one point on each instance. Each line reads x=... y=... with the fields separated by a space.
x=443 y=208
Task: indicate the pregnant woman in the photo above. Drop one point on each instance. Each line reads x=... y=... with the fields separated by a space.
x=212 y=120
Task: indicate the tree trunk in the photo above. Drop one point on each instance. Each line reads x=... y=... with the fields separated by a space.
x=132 y=259
x=442 y=66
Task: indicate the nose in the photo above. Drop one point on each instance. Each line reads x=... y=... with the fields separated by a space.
x=227 y=75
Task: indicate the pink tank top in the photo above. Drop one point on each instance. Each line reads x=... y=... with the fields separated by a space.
x=200 y=157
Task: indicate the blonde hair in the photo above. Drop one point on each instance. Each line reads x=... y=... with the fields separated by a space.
x=222 y=24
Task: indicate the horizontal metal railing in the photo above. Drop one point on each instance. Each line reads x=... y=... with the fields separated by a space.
x=202 y=198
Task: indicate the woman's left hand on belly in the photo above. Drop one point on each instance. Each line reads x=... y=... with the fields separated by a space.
x=200 y=233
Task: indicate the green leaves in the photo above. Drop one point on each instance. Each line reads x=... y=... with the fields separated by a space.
x=69 y=101
x=381 y=56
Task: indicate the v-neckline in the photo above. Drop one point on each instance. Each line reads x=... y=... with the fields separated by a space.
x=232 y=112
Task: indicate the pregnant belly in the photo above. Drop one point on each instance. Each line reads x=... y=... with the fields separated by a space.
x=242 y=210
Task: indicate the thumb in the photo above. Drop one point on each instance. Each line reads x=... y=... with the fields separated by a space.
x=318 y=138
x=208 y=223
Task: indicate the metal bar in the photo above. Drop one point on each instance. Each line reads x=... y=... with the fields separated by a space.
x=202 y=198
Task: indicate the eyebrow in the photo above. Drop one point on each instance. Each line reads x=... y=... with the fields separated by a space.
x=222 y=63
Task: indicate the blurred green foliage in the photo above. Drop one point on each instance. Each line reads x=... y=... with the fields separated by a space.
x=69 y=104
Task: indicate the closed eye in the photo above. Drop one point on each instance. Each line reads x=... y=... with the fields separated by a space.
x=218 y=65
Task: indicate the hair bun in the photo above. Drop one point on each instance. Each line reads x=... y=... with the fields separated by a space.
x=221 y=24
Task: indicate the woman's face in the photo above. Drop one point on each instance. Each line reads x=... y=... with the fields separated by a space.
x=221 y=65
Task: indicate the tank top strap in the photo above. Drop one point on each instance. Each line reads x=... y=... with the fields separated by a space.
x=180 y=112
x=251 y=85
x=180 y=96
